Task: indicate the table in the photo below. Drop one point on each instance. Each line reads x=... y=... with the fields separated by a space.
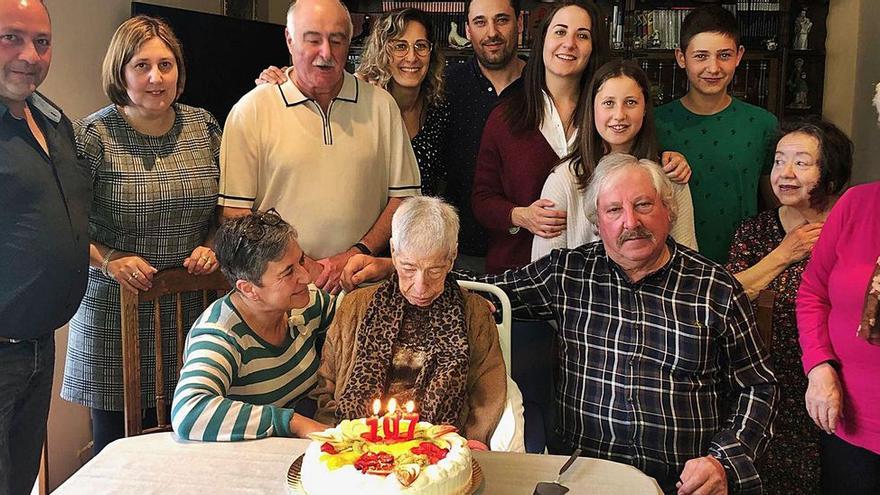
x=160 y=463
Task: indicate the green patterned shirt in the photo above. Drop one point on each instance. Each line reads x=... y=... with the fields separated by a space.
x=236 y=386
x=728 y=153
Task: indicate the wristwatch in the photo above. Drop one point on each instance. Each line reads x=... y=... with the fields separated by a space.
x=360 y=246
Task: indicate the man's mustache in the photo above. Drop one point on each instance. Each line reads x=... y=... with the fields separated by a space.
x=329 y=63
x=639 y=232
x=493 y=39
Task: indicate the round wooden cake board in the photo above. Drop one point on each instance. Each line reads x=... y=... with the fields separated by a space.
x=295 y=483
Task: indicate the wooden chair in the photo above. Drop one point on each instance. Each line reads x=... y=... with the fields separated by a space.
x=174 y=282
x=764 y=315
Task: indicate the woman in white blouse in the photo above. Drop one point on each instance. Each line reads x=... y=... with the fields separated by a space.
x=620 y=119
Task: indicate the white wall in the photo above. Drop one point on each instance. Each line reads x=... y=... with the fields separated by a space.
x=866 y=133
x=852 y=68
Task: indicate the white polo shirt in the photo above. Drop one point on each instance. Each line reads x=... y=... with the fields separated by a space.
x=329 y=175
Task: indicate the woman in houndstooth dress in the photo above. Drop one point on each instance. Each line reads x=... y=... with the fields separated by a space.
x=154 y=166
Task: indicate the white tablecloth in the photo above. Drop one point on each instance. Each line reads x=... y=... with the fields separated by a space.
x=160 y=463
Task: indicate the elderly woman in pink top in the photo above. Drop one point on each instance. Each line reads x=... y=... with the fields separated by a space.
x=841 y=362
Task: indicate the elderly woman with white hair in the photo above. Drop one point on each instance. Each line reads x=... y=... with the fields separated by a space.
x=417 y=336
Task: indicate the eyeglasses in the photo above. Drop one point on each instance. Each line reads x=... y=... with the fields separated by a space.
x=256 y=227
x=401 y=47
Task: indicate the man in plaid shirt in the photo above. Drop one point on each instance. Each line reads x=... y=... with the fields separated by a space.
x=661 y=366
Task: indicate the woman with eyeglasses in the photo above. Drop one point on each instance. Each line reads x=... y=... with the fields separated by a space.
x=251 y=358
x=154 y=170
x=399 y=57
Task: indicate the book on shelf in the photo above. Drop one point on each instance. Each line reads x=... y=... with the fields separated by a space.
x=660 y=28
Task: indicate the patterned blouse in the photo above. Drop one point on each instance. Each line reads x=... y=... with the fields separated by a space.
x=791 y=464
x=426 y=145
x=153 y=196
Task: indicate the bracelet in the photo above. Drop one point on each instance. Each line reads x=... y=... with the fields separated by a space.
x=360 y=246
x=105 y=262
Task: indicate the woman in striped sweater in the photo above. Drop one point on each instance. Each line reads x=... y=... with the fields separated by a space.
x=251 y=357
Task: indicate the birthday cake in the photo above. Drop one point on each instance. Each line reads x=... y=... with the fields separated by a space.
x=367 y=457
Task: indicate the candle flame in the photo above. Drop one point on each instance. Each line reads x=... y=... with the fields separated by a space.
x=377 y=405
x=410 y=407
x=392 y=405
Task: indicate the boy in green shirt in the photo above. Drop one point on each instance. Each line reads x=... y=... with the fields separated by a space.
x=726 y=141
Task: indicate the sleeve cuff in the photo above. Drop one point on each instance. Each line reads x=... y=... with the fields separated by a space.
x=816 y=358
x=281 y=417
x=742 y=477
x=235 y=201
x=404 y=191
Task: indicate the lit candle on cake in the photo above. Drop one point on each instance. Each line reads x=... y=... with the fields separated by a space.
x=373 y=423
x=413 y=419
x=391 y=421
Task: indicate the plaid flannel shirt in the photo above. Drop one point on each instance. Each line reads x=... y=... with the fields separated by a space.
x=656 y=372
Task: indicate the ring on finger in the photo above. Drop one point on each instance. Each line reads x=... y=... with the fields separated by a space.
x=134 y=275
x=130 y=277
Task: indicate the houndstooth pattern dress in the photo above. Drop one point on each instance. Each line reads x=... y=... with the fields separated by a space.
x=155 y=197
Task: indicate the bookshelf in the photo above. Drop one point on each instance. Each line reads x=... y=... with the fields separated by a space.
x=777 y=72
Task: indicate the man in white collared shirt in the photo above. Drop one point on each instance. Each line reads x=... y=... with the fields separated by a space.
x=328 y=152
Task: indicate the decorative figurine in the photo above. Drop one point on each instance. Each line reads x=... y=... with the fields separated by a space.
x=456 y=40
x=798 y=87
x=802 y=26
x=771 y=44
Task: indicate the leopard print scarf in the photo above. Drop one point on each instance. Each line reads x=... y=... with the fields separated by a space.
x=441 y=383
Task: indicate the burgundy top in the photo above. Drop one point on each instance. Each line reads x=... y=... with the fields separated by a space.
x=511 y=171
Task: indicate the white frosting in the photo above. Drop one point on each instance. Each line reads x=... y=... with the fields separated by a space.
x=451 y=475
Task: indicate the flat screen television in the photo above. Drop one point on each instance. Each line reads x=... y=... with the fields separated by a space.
x=222 y=54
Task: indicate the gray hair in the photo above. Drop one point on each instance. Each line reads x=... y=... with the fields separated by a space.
x=291 y=13
x=613 y=163
x=242 y=258
x=425 y=224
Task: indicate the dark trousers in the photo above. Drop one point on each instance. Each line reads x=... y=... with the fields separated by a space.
x=847 y=469
x=26 y=371
x=108 y=426
x=533 y=364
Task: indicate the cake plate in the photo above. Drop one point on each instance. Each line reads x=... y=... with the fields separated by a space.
x=294 y=482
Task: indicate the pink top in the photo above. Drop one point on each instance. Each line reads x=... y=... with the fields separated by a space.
x=829 y=308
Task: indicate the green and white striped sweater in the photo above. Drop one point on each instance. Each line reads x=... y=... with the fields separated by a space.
x=234 y=385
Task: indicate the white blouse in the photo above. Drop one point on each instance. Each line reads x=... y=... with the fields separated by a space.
x=553 y=129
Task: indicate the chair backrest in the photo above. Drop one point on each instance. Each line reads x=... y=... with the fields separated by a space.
x=764 y=314
x=509 y=435
x=504 y=326
x=170 y=282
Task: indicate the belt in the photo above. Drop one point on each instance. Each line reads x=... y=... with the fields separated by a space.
x=6 y=340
